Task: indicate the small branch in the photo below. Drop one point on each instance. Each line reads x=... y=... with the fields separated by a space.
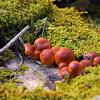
x=46 y=20
x=14 y=39
x=21 y=59
x=38 y=31
x=21 y=40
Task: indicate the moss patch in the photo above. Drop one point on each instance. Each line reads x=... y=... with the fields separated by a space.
x=7 y=55
x=80 y=88
x=67 y=28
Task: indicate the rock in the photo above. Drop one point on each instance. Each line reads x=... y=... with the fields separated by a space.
x=36 y=76
x=13 y=64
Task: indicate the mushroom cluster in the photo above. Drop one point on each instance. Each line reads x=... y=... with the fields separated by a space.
x=75 y=68
x=63 y=57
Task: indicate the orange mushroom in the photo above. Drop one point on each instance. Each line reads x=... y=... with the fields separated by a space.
x=74 y=68
x=42 y=43
x=61 y=65
x=47 y=45
x=85 y=63
x=90 y=55
x=36 y=54
x=64 y=72
x=29 y=49
x=96 y=61
x=55 y=49
x=64 y=55
x=47 y=57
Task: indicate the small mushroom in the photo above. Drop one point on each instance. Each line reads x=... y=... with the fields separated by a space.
x=29 y=49
x=64 y=55
x=36 y=54
x=74 y=68
x=61 y=65
x=55 y=49
x=42 y=43
x=90 y=55
x=47 y=57
x=96 y=61
x=85 y=63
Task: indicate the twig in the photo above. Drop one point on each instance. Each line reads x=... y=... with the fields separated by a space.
x=21 y=59
x=44 y=26
x=20 y=54
x=21 y=40
x=42 y=29
x=14 y=39
x=38 y=31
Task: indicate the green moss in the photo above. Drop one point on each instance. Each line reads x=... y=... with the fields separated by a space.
x=80 y=88
x=67 y=28
x=5 y=75
x=23 y=68
x=11 y=91
x=7 y=55
x=15 y=15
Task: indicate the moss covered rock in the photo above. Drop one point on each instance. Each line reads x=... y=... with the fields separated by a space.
x=83 y=87
x=67 y=28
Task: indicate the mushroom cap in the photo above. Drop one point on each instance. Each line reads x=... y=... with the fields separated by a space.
x=36 y=54
x=96 y=61
x=90 y=55
x=61 y=65
x=74 y=68
x=47 y=57
x=42 y=43
x=55 y=49
x=85 y=63
x=29 y=49
x=64 y=55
